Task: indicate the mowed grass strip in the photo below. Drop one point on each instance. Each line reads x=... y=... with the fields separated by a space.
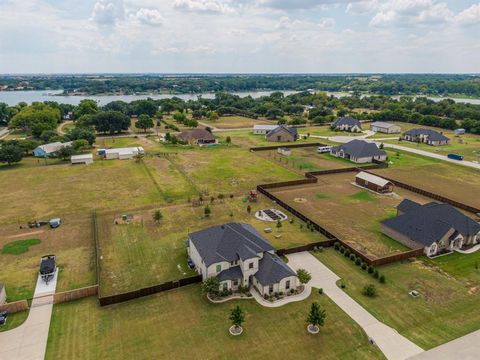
x=183 y=324
x=446 y=308
x=361 y=196
x=19 y=246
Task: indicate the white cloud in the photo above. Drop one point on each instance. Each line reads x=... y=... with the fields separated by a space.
x=362 y=7
x=326 y=23
x=150 y=17
x=107 y=12
x=205 y=6
x=470 y=16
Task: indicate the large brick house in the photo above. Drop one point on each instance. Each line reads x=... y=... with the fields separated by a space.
x=239 y=256
x=359 y=151
x=436 y=227
x=282 y=133
x=427 y=136
x=347 y=123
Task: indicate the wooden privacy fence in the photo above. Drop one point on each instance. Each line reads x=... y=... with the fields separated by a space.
x=169 y=285
x=15 y=306
x=75 y=294
x=292 y=146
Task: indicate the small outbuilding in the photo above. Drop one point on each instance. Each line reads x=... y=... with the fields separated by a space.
x=123 y=153
x=284 y=151
x=82 y=159
x=3 y=294
x=48 y=150
x=384 y=127
x=459 y=131
x=373 y=182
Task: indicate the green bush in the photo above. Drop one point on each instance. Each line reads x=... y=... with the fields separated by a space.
x=342 y=249
x=320 y=291
x=336 y=246
x=382 y=279
x=353 y=257
x=358 y=261
x=364 y=266
x=370 y=270
x=369 y=290
x=347 y=253
x=376 y=274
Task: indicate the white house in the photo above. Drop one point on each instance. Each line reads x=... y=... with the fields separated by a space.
x=82 y=159
x=239 y=256
x=359 y=151
x=263 y=129
x=427 y=136
x=435 y=227
x=123 y=153
x=384 y=127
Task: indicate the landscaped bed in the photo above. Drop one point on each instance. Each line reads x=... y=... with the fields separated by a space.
x=350 y=213
x=144 y=253
x=446 y=308
x=183 y=324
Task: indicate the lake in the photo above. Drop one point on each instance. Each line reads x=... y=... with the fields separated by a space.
x=14 y=97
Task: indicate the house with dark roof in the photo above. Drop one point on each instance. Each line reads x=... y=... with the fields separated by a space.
x=427 y=136
x=347 y=123
x=282 y=133
x=359 y=151
x=239 y=256
x=435 y=227
x=197 y=137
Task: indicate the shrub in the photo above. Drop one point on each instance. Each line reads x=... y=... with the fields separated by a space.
x=358 y=261
x=336 y=246
x=281 y=293
x=342 y=249
x=369 y=290
x=376 y=274
x=364 y=266
x=347 y=253
x=265 y=296
x=370 y=270
x=303 y=276
x=292 y=291
x=353 y=257
x=343 y=286
x=320 y=291
x=382 y=279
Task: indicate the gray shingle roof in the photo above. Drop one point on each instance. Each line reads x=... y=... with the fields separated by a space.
x=432 y=134
x=232 y=273
x=271 y=269
x=382 y=124
x=360 y=149
x=426 y=224
x=346 y=120
x=196 y=134
x=291 y=130
x=408 y=205
x=229 y=242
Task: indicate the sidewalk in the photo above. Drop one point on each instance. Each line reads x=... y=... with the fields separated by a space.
x=393 y=345
x=29 y=340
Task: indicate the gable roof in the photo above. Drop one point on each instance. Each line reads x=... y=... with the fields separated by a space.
x=229 y=242
x=426 y=224
x=232 y=273
x=271 y=269
x=346 y=120
x=196 y=134
x=291 y=130
x=408 y=205
x=374 y=179
x=53 y=147
x=359 y=149
x=265 y=127
x=382 y=124
x=432 y=134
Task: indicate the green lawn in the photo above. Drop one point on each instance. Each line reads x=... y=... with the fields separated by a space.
x=246 y=139
x=446 y=309
x=361 y=196
x=19 y=246
x=14 y=320
x=182 y=324
x=465 y=267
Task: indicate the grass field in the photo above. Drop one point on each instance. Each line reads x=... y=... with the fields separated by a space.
x=349 y=212
x=14 y=320
x=325 y=130
x=72 y=243
x=464 y=267
x=182 y=324
x=452 y=181
x=144 y=253
x=446 y=309
x=246 y=139
x=237 y=122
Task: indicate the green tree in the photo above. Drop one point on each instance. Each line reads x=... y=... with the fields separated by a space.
x=64 y=152
x=180 y=117
x=28 y=145
x=316 y=316
x=36 y=118
x=10 y=153
x=249 y=209
x=303 y=276
x=237 y=317
x=228 y=140
x=369 y=290
x=157 y=216
x=144 y=122
x=110 y=122
x=279 y=224
x=211 y=286
x=86 y=107
x=82 y=133
x=213 y=116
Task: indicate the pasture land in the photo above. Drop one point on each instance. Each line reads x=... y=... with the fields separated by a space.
x=183 y=324
x=447 y=307
x=72 y=243
x=349 y=212
x=246 y=139
x=144 y=253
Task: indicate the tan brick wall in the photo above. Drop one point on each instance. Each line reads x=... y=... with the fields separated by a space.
x=14 y=307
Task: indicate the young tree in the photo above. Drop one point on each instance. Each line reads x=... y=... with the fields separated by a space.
x=228 y=140
x=144 y=122
x=279 y=225
x=10 y=153
x=249 y=209
x=65 y=152
x=237 y=317
x=369 y=290
x=157 y=216
x=316 y=317
x=207 y=211
x=213 y=116
x=303 y=276
x=211 y=286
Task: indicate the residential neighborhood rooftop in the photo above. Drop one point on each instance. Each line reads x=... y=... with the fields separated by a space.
x=360 y=149
x=432 y=134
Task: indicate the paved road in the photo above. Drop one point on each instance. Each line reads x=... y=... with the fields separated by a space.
x=4 y=132
x=29 y=340
x=393 y=345
x=465 y=348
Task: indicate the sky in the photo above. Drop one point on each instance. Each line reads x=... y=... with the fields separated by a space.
x=239 y=36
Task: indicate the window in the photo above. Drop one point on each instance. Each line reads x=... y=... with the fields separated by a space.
x=219 y=268
x=225 y=286
x=287 y=285
x=250 y=266
x=270 y=288
x=235 y=282
x=232 y=263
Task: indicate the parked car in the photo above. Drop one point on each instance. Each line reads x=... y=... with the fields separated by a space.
x=190 y=263
x=3 y=317
x=48 y=266
x=55 y=222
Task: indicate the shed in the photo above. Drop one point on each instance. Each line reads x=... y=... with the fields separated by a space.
x=123 y=153
x=48 y=149
x=82 y=159
x=384 y=127
x=3 y=294
x=373 y=182
x=284 y=151
x=459 y=131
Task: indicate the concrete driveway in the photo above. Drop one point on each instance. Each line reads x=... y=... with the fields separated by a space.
x=29 y=340
x=393 y=345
